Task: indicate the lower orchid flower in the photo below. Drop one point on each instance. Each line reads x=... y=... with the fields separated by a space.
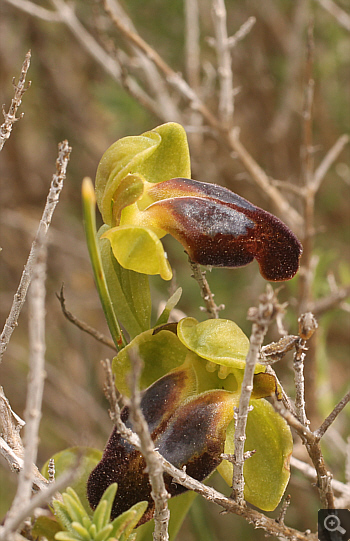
x=191 y=381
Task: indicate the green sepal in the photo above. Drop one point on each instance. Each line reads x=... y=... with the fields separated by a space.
x=129 y=291
x=170 y=305
x=266 y=473
x=160 y=353
x=156 y=155
x=88 y=459
x=81 y=531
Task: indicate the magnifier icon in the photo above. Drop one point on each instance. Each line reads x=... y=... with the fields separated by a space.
x=332 y=524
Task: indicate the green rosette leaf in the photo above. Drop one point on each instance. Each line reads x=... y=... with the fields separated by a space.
x=266 y=473
x=155 y=156
x=87 y=457
x=159 y=352
x=129 y=291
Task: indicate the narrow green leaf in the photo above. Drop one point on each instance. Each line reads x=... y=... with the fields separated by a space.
x=102 y=512
x=76 y=510
x=127 y=521
x=62 y=515
x=170 y=305
x=89 y=203
x=104 y=534
x=81 y=531
x=67 y=536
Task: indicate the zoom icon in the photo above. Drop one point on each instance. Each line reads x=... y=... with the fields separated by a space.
x=334 y=525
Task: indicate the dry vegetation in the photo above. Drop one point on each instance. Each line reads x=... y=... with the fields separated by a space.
x=267 y=113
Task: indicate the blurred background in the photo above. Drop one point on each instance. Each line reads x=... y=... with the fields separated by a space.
x=91 y=103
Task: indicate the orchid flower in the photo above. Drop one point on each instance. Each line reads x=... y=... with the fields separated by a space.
x=144 y=192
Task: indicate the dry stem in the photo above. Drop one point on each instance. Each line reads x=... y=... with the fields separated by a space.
x=208 y=297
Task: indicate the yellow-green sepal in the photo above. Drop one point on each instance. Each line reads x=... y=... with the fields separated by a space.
x=266 y=473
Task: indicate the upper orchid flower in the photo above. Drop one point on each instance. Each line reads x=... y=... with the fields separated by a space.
x=144 y=191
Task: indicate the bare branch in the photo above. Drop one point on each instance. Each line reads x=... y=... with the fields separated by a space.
x=51 y=202
x=10 y=117
x=82 y=325
x=226 y=103
x=35 y=384
x=310 y=473
x=332 y=416
x=333 y=300
x=208 y=297
x=328 y=161
x=338 y=13
x=154 y=467
x=261 y=317
x=242 y=32
x=35 y=10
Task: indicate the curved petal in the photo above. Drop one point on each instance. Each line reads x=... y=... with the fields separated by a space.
x=266 y=473
x=155 y=156
x=221 y=229
x=218 y=340
x=139 y=249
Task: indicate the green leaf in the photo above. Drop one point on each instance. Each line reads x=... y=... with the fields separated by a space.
x=170 y=305
x=160 y=353
x=129 y=291
x=266 y=473
x=95 y=257
x=67 y=459
x=156 y=155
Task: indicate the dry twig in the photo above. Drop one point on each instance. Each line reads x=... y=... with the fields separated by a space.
x=208 y=297
x=82 y=325
x=51 y=202
x=10 y=117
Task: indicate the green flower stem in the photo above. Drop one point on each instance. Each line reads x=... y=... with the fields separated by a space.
x=89 y=205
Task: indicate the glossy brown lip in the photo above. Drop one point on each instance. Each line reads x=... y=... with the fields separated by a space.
x=219 y=228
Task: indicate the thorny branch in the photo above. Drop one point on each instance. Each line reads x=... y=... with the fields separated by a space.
x=20 y=89
x=155 y=470
x=261 y=317
x=64 y=151
x=208 y=297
